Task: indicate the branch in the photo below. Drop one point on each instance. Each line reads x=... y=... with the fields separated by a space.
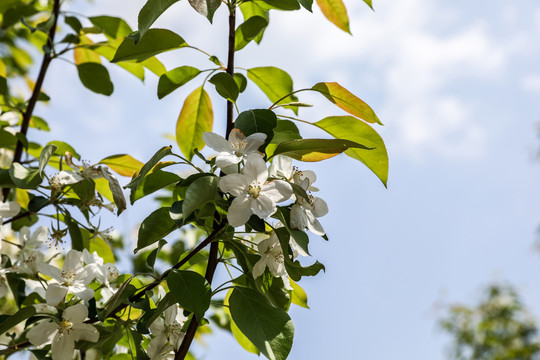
x=163 y=276
x=213 y=256
x=47 y=58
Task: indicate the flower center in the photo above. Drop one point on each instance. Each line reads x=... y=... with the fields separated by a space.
x=254 y=190
x=68 y=276
x=64 y=327
x=239 y=147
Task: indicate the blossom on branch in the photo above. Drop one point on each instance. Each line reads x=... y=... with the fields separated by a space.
x=272 y=257
x=63 y=334
x=231 y=152
x=253 y=194
x=168 y=334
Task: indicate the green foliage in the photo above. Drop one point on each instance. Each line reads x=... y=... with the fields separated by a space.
x=275 y=83
x=153 y=42
x=498 y=328
x=191 y=290
x=175 y=78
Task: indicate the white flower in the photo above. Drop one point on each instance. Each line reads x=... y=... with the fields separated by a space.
x=168 y=334
x=273 y=258
x=105 y=273
x=304 y=212
x=253 y=194
x=73 y=278
x=63 y=334
x=234 y=150
x=81 y=172
x=8 y=209
x=31 y=242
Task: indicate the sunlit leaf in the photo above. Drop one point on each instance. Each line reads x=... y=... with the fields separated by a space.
x=275 y=83
x=154 y=228
x=280 y=4
x=154 y=41
x=123 y=164
x=137 y=177
x=350 y=128
x=46 y=154
x=116 y=189
x=24 y=178
x=175 y=78
x=237 y=333
x=195 y=118
x=299 y=296
x=82 y=54
x=369 y=2
x=62 y=148
x=241 y=81
x=315 y=149
x=153 y=182
x=347 y=101
x=335 y=11
x=113 y=27
x=307 y=4
x=199 y=192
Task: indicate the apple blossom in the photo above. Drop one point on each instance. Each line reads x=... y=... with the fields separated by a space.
x=168 y=334
x=253 y=194
x=234 y=150
x=273 y=258
x=8 y=209
x=63 y=334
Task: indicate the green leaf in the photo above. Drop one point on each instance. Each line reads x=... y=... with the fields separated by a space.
x=111 y=26
x=252 y=8
x=195 y=118
x=121 y=296
x=151 y=259
x=7 y=140
x=175 y=78
x=191 y=290
x=200 y=192
x=241 y=81
x=286 y=5
x=248 y=31
x=335 y=11
x=315 y=149
x=18 y=317
x=46 y=154
x=274 y=290
x=285 y=130
x=155 y=66
x=206 y=8
x=225 y=86
x=62 y=148
x=275 y=83
x=347 y=101
x=350 y=128
x=95 y=77
x=74 y=23
x=137 y=177
x=3 y=86
x=102 y=248
x=270 y=329
x=237 y=333
x=153 y=42
x=155 y=227
x=24 y=178
x=154 y=181
x=307 y=4
x=150 y=12
x=74 y=233
x=122 y=164
x=301 y=238
x=299 y=296
x=39 y=123
x=258 y=120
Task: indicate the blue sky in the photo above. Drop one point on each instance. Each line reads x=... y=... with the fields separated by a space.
x=457 y=85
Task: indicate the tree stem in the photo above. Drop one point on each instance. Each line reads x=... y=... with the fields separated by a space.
x=47 y=58
x=213 y=256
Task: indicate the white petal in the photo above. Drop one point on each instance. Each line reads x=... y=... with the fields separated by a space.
x=68 y=177
x=51 y=271
x=170 y=314
x=234 y=184
x=254 y=142
x=310 y=175
x=281 y=167
x=85 y=332
x=236 y=135
x=9 y=209
x=239 y=211
x=224 y=160
x=42 y=333
x=299 y=219
x=73 y=261
x=82 y=291
x=40 y=235
x=88 y=273
x=76 y=313
x=255 y=169
x=217 y=142
x=277 y=190
x=158 y=326
x=62 y=347
x=158 y=348
x=259 y=267
x=263 y=206
x=314 y=225
x=319 y=207
x=55 y=293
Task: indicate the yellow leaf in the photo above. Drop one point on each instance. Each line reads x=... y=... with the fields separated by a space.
x=335 y=11
x=22 y=198
x=83 y=55
x=123 y=164
x=195 y=118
